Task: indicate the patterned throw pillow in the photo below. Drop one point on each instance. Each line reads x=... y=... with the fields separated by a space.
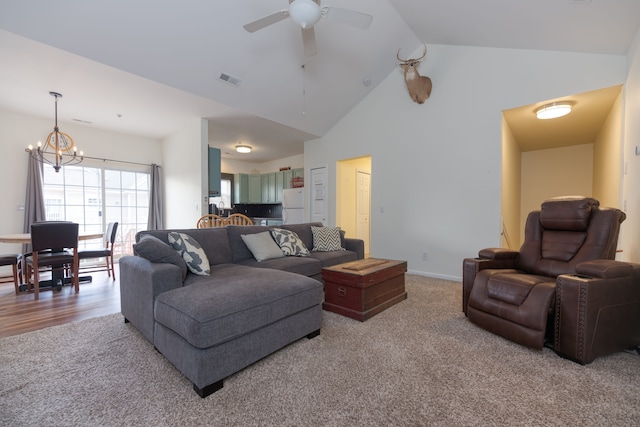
x=289 y=242
x=262 y=246
x=326 y=239
x=191 y=251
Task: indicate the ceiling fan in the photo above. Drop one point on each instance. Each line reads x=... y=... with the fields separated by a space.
x=306 y=13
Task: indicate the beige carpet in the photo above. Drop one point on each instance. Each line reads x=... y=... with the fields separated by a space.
x=419 y=363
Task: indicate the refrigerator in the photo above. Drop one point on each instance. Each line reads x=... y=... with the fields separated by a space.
x=293 y=205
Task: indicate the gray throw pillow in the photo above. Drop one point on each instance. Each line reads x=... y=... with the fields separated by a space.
x=289 y=242
x=326 y=239
x=192 y=253
x=262 y=246
x=155 y=250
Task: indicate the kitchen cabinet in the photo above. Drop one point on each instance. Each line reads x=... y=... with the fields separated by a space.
x=214 y=172
x=240 y=188
x=263 y=188
x=279 y=186
x=288 y=174
x=268 y=185
x=255 y=188
x=292 y=173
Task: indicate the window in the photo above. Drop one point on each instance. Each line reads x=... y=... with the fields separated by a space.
x=226 y=192
x=94 y=196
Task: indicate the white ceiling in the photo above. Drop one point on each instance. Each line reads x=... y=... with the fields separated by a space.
x=145 y=67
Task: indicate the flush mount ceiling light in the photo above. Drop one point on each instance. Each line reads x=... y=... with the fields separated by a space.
x=554 y=110
x=305 y=13
x=243 y=149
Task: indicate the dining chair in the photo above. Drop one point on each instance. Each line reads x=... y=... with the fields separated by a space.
x=238 y=219
x=54 y=247
x=105 y=252
x=13 y=260
x=210 y=220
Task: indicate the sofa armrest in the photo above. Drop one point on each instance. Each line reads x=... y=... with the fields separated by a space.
x=355 y=245
x=597 y=310
x=487 y=258
x=140 y=282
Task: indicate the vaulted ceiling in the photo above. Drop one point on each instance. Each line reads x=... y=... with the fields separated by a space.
x=146 y=67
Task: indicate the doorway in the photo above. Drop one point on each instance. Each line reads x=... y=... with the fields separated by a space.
x=353 y=198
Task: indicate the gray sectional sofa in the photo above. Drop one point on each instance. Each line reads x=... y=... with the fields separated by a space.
x=213 y=325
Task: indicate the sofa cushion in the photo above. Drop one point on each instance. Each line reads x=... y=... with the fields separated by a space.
x=240 y=251
x=289 y=242
x=214 y=241
x=328 y=259
x=307 y=266
x=155 y=250
x=326 y=239
x=235 y=301
x=303 y=231
x=262 y=246
x=191 y=251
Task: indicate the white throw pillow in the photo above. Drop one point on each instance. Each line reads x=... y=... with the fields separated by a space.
x=262 y=246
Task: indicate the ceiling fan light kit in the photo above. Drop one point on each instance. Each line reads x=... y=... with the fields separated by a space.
x=305 y=13
x=554 y=110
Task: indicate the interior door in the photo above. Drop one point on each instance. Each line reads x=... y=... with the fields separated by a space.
x=318 y=199
x=363 y=208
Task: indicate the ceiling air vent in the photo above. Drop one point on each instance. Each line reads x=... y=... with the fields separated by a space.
x=229 y=79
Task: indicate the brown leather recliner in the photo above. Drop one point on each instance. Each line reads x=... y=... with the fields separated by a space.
x=563 y=285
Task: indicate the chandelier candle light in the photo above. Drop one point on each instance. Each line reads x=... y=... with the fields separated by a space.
x=61 y=143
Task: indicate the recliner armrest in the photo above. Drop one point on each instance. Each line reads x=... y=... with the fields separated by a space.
x=498 y=254
x=603 y=297
x=488 y=258
x=604 y=269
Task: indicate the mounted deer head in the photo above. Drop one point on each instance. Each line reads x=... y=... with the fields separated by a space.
x=419 y=86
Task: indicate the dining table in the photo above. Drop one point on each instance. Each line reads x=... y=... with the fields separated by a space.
x=25 y=239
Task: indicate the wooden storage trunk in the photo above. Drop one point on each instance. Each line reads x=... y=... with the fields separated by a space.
x=361 y=289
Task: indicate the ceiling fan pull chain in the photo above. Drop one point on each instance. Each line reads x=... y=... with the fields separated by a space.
x=304 y=91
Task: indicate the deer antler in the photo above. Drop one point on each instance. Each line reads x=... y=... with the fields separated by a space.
x=409 y=59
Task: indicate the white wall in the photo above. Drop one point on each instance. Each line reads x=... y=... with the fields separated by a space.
x=630 y=231
x=185 y=175
x=436 y=186
x=240 y=166
x=19 y=130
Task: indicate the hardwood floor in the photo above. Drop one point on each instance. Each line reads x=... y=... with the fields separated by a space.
x=20 y=313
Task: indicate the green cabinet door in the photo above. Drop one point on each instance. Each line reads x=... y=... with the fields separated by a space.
x=255 y=189
x=240 y=188
x=279 y=186
x=214 y=172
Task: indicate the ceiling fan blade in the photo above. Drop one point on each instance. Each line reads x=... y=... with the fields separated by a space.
x=350 y=17
x=309 y=41
x=266 y=21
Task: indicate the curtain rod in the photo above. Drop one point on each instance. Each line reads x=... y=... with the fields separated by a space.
x=119 y=161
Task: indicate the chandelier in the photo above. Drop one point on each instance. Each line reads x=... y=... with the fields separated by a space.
x=59 y=149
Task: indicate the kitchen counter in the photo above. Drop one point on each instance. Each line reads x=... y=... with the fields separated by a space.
x=266 y=221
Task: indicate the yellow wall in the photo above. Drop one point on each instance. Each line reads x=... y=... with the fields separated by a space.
x=555 y=172
x=511 y=188
x=607 y=159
